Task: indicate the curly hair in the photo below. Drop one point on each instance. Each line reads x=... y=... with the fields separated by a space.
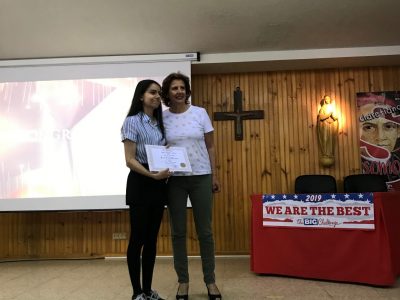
x=166 y=84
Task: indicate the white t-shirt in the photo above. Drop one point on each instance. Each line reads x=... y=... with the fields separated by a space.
x=187 y=130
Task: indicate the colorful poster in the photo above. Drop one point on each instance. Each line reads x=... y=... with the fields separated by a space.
x=379 y=119
x=349 y=210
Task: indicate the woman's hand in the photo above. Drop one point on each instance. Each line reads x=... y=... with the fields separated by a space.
x=216 y=187
x=163 y=174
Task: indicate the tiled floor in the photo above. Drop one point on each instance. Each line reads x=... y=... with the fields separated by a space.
x=102 y=279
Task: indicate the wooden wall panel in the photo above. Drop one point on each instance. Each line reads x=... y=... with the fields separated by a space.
x=273 y=153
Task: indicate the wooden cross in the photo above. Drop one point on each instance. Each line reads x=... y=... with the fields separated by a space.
x=238 y=114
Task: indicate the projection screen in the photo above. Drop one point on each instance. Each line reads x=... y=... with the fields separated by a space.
x=60 y=121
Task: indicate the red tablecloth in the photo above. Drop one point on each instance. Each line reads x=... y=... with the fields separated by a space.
x=363 y=256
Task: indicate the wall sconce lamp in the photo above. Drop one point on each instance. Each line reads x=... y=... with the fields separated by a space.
x=327 y=131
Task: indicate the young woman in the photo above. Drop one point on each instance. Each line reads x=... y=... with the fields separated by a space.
x=189 y=126
x=145 y=190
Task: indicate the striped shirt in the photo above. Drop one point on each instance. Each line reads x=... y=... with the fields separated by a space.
x=142 y=131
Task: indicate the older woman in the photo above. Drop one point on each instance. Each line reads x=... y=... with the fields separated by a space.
x=189 y=126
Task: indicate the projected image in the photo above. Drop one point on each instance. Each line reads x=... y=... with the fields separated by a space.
x=62 y=138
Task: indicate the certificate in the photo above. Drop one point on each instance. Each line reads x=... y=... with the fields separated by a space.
x=173 y=158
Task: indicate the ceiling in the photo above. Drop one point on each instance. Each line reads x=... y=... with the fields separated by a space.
x=230 y=35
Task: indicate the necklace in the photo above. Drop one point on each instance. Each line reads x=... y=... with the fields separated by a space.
x=179 y=109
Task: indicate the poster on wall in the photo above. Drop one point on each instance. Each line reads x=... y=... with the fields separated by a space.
x=379 y=120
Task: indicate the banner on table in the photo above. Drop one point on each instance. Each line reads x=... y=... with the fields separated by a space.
x=379 y=123
x=350 y=210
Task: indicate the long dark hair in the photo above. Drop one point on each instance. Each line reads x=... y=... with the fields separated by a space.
x=166 y=84
x=137 y=103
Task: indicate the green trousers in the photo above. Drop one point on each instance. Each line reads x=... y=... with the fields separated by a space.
x=199 y=190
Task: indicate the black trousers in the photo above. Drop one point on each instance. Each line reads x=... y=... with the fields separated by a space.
x=146 y=198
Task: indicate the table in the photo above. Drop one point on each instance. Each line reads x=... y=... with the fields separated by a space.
x=363 y=256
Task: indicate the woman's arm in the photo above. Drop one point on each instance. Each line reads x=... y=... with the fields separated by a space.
x=133 y=164
x=209 y=139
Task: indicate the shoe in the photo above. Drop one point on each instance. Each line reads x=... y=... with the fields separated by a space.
x=154 y=296
x=182 y=296
x=213 y=296
x=141 y=296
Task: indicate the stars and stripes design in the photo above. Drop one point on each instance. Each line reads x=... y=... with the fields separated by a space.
x=333 y=210
x=314 y=198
